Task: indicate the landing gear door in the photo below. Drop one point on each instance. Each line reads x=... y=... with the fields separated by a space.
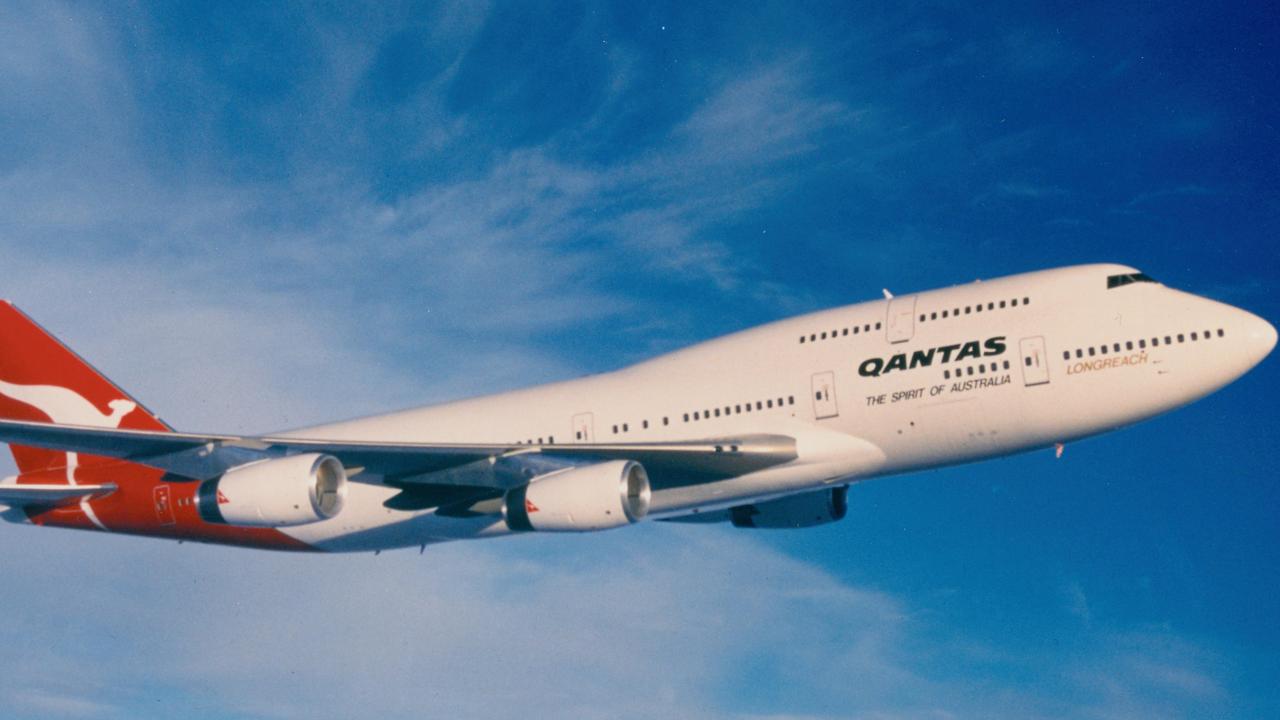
x=901 y=322
x=824 y=395
x=583 y=428
x=1035 y=362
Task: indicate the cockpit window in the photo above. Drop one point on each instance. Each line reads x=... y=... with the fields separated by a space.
x=1115 y=281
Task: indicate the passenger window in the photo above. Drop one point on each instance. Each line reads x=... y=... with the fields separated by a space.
x=615 y=429
x=1182 y=338
x=770 y=403
x=969 y=370
x=737 y=409
x=1002 y=304
x=922 y=317
x=695 y=414
x=578 y=435
x=823 y=337
x=1006 y=364
x=1026 y=301
x=759 y=405
x=666 y=420
x=977 y=308
x=686 y=417
x=946 y=374
x=1116 y=347
x=933 y=316
x=1220 y=332
x=1193 y=337
x=944 y=313
x=791 y=399
x=855 y=329
x=1103 y=349
x=1142 y=343
x=812 y=337
x=1066 y=355
x=644 y=425
x=1155 y=342
x=1028 y=361
x=877 y=326
x=1079 y=352
x=1092 y=352
x=1014 y=302
x=1168 y=340
x=991 y=306
x=801 y=339
x=717 y=412
x=1128 y=345
x=846 y=331
x=625 y=428
x=967 y=308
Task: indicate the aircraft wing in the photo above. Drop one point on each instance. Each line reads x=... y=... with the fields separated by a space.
x=200 y=457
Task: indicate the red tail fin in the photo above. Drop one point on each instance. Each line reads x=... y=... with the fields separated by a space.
x=42 y=380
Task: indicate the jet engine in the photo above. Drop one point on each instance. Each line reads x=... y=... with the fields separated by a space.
x=577 y=499
x=279 y=492
x=796 y=511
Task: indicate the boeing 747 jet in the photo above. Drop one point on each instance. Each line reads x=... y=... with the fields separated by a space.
x=764 y=428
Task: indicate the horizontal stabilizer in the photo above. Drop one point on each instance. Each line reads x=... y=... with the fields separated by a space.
x=14 y=495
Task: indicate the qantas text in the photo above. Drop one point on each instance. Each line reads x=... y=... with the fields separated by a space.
x=875 y=367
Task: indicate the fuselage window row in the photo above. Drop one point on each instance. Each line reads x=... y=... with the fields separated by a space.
x=969 y=309
x=1143 y=343
x=979 y=369
x=759 y=405
x=840 y=332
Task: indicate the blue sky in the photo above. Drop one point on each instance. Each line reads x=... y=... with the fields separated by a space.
x=263 y=217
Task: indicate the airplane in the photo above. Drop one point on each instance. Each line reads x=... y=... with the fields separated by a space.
x=763 y=428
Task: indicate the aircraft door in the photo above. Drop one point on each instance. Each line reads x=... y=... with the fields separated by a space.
x=824 y=395
x=901 y=322
x=1035 y=362
x=583 y=428
x=163 y=498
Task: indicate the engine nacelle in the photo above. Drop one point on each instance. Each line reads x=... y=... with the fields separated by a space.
x=577 y=499
x=796 y=511
x=280 y=492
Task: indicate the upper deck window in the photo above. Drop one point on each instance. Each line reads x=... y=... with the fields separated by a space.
x=1115 y=281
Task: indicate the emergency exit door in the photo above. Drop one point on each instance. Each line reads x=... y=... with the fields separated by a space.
x=583 y=430
x=163 y=499
x=1035 y=362
x=824 y=395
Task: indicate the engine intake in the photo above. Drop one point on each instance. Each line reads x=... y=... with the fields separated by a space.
x=579 y=499
x=280 y=492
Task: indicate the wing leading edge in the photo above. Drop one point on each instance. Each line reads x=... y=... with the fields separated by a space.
x=201 y=457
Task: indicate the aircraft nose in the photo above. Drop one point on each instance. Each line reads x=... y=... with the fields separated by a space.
x=1263 y=336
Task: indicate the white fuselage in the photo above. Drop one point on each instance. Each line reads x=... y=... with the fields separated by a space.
x=936 y=378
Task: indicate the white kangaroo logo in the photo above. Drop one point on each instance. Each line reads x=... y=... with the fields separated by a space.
x=67 y=407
